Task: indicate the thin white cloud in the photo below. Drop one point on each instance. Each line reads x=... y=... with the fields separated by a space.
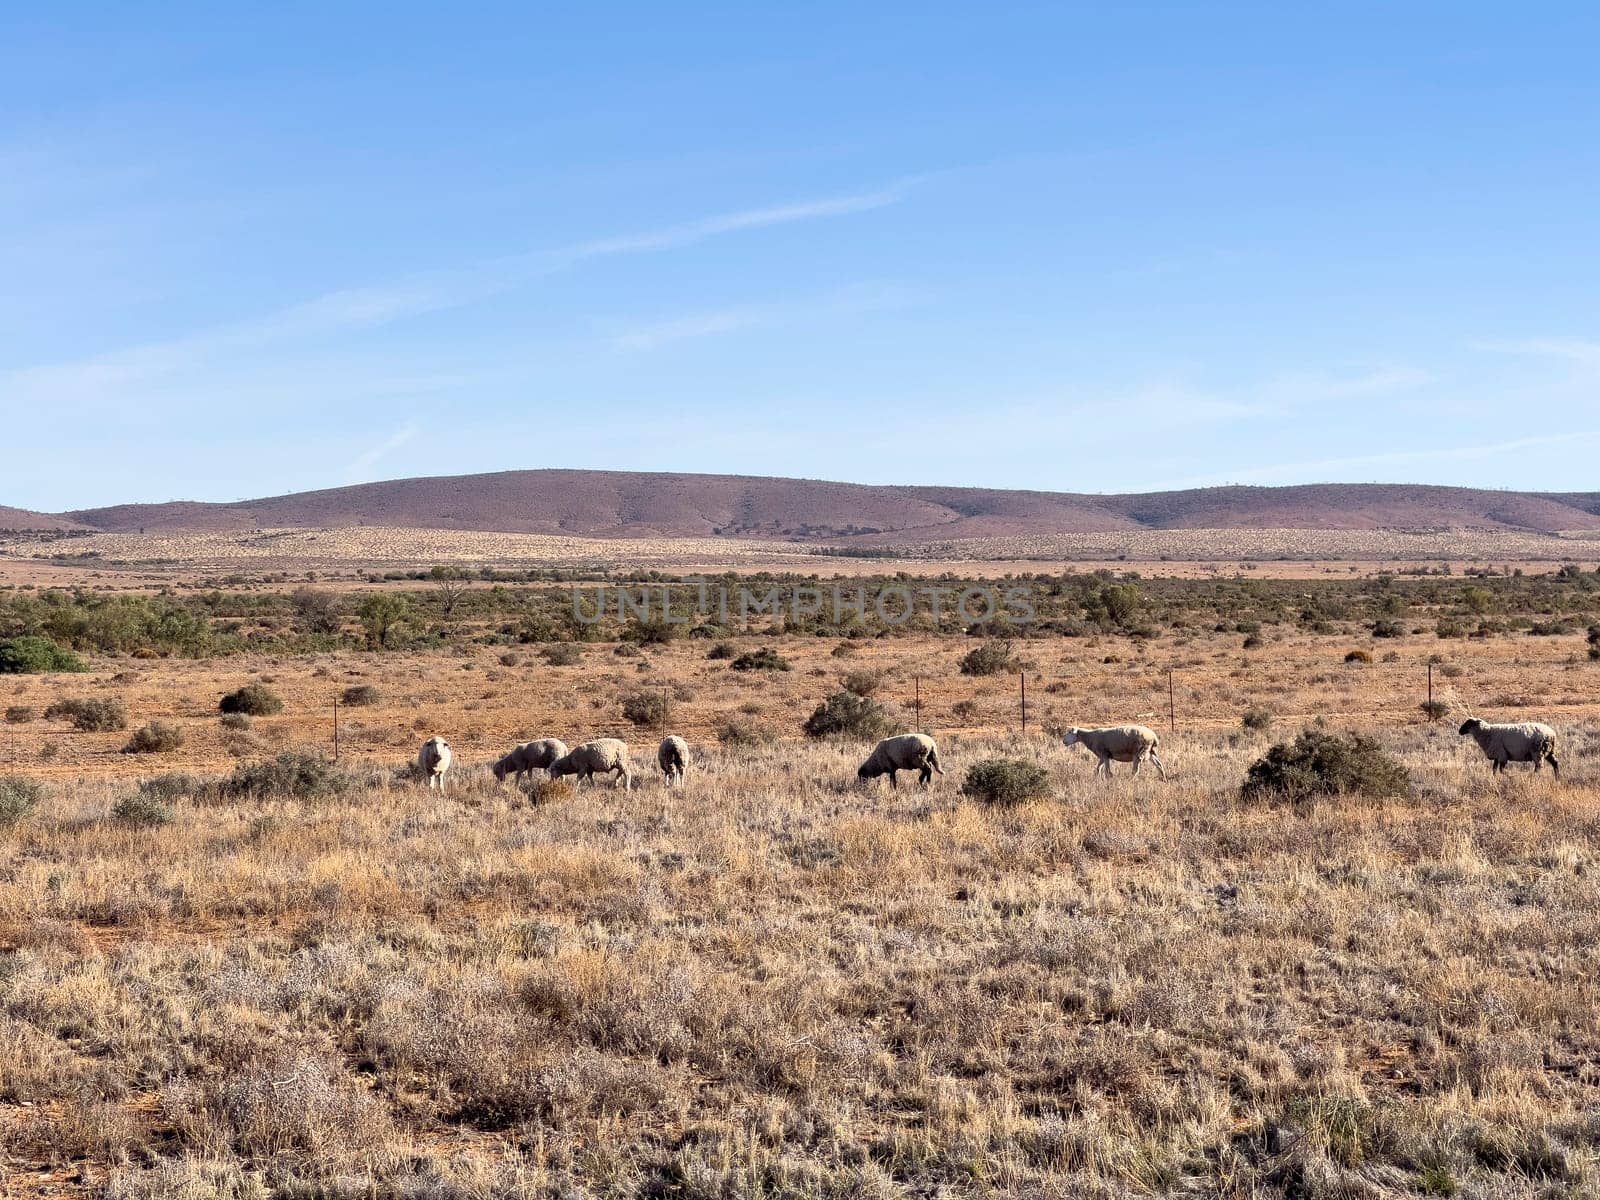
x=366 y=307
x=367 y=459
x=1574 y=350
x=861 y=298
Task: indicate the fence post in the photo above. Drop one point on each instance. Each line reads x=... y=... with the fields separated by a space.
x=335 y=729
x=1022 y=677
x=1172 y=704
x=1430 y=691
x=917 y=700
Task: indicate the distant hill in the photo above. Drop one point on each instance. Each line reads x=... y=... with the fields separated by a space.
x=21 y=518
x=642 y=504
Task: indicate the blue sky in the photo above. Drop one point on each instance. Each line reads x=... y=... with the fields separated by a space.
x=250 y=250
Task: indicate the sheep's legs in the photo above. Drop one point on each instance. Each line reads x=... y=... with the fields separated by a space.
x=1160 y=769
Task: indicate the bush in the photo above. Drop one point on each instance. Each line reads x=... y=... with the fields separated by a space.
x=844 y=649
x=649 y=709
x=764 y=659
x=562 y=654
x=254 y=700
x=863 y=683
x=19 y=796
x=36 y=655
x=1006 y=781
x=293 y=775
x=742 y=733
x=171 y=786
x=90 y=716
x=720 y=651
x=848 y=715
x=19 y=714
x=1358 y=656
x=991 y=658
x=235 y=721
x=1253 y=641
x=361 y=695
x=141 y=811
x=1434 y=709
x=1257 y=717
x=1325 y=764
x=1385 y=628
x=158 y=737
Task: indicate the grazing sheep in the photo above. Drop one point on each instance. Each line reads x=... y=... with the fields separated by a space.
x=529 y=757
x=906 y=752
x=1122 y=743
x=673 y=756
x=599 y=757
x=1524 y=741
x=433 y=760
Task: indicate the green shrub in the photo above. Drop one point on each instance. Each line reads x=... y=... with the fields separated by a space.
x=1006 y=781
x=90 y=716
x=19 y=796
x=652 y=710
x=19 y=714
x=721 y=651
x=158 y=737
x=654 y=632
x=764 y=659
x=1325 y=764
x=361 y=695
x=846 y=714
x=1257 y=717
x=991 y=658
x=141 y=811
x=29 y=655
x=293 y=775
x=254 y=700
x=1385 y=628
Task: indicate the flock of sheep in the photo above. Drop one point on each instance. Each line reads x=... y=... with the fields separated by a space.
x=1521 y=742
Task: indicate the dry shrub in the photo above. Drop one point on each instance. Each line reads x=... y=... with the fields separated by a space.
x=293 y=775
x=845 y=714
x=764 y=659
x=19 y=714
x=651 y=710
x=253 y=700
x=361 y=695
x=19 y=796
x=1006 y=781
x=1325 y=764
x=141 y=811
x=91 y=715
x=300 y=1105
x=990 y=658
x=158 y=737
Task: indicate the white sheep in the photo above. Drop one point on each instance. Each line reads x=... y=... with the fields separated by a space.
x=673 y=757
x=599 y=757
x=1523 y=741
x=529 y=757
x=905 y=752
x=433 y=760
x=1122 y=743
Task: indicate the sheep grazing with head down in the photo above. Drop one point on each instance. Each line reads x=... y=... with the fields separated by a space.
x=673 y=757
x=1524 y=741
x=906 y=752
x=433 y=760
x=603 y=756
x=1119 y=743
x=529 y=757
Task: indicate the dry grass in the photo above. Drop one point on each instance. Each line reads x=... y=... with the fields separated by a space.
x=773 y=981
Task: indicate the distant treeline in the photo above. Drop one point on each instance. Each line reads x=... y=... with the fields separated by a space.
x=447 y=606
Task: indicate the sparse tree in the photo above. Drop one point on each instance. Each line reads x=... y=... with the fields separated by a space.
x=452 y=584
x=382 y=614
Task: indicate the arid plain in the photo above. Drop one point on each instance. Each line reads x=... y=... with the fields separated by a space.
x=776 y=980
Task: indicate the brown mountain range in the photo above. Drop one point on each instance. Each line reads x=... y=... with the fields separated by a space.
x=642 y=504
